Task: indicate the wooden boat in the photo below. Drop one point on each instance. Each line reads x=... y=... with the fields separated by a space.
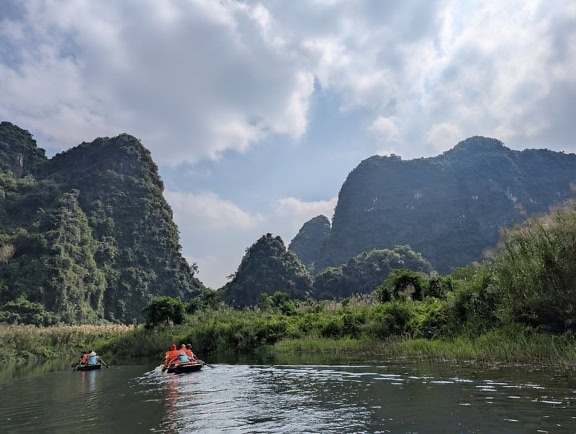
x=185 y=367
x=86 y=367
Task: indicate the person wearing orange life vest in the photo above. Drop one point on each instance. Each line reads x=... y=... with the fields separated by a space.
x=190 y=353
x=171 y=355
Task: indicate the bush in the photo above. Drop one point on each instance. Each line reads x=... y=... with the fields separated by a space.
x=389 y=319
x=22 y=311
x=164 y=310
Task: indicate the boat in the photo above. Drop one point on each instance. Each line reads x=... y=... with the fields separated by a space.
x=87 y=367
x=185 y=367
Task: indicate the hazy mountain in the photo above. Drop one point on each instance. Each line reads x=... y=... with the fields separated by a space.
x=310 y=239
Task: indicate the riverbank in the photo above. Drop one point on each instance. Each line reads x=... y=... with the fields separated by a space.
x=492 y=348
x=510 y=346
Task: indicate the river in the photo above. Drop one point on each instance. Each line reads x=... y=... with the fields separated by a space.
x=378 y=397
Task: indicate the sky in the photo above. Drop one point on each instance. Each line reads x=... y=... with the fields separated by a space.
x=257 y=111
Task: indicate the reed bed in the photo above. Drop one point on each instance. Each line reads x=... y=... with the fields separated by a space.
x=22 y=342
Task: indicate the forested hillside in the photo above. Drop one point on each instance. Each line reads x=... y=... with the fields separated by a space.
x=266 y=268
x=449 y=208
x=86 y=235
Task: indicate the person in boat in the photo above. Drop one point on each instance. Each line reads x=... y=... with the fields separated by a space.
x=171 y=355
x=182 y=355
x=189 y=352
x=84 y=359
x=92 y=358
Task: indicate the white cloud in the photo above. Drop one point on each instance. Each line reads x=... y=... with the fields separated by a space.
x=300 y=211
x=385 y=127
x=191 y=79
x=209 y=211
x=443 y=136
x=217 y=232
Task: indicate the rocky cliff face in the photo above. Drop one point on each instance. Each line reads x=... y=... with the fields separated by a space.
x=18 y=151
x=308 y=243
x=94 y=223
x=449 y=208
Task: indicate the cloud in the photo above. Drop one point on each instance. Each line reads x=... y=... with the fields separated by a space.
x=191 y=79
x=196 y=79
x=443 y=136
x=296 y=212
x=216 y=232
x=209 y=211
x=385 y=128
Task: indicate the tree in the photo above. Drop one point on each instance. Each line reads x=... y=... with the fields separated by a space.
x=22 y=311
x=164 y=310
x=363 y=273
x=403 y=284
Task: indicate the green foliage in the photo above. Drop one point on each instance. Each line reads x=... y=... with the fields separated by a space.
x=476 y=307
x=267 y=267
x=536 y=269
x=22 y=311
x=365 y=272
x=92 y=236
x=208 y=300
x=277 y=302
x=18 y=151
x=164 y=311
x=404 y=284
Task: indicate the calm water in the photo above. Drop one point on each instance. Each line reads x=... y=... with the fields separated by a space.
x=379 y=397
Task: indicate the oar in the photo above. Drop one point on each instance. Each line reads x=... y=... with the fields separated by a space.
x=76 y=367
x=104 y=363
x=204 y=363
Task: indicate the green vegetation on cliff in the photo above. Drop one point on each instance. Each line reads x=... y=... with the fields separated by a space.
x=449 y=208
x=87 y=234
x=267 y=267
x=366 y=271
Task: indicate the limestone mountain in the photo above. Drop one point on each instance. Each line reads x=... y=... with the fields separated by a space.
x=18 y=151
x=309 y=240
x=267 y=267
x=449 y=208
x=89 y=232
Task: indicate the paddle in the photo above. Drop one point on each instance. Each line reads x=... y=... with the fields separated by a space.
x=104 y=363
x=206 y=364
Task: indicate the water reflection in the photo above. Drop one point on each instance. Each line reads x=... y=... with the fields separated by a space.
x=363 y=398
x=12 y=371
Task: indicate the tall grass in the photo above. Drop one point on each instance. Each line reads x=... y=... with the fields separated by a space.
x=20 y=342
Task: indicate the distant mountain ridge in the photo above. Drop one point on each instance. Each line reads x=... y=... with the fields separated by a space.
x=449 y=208
x=88 y=233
